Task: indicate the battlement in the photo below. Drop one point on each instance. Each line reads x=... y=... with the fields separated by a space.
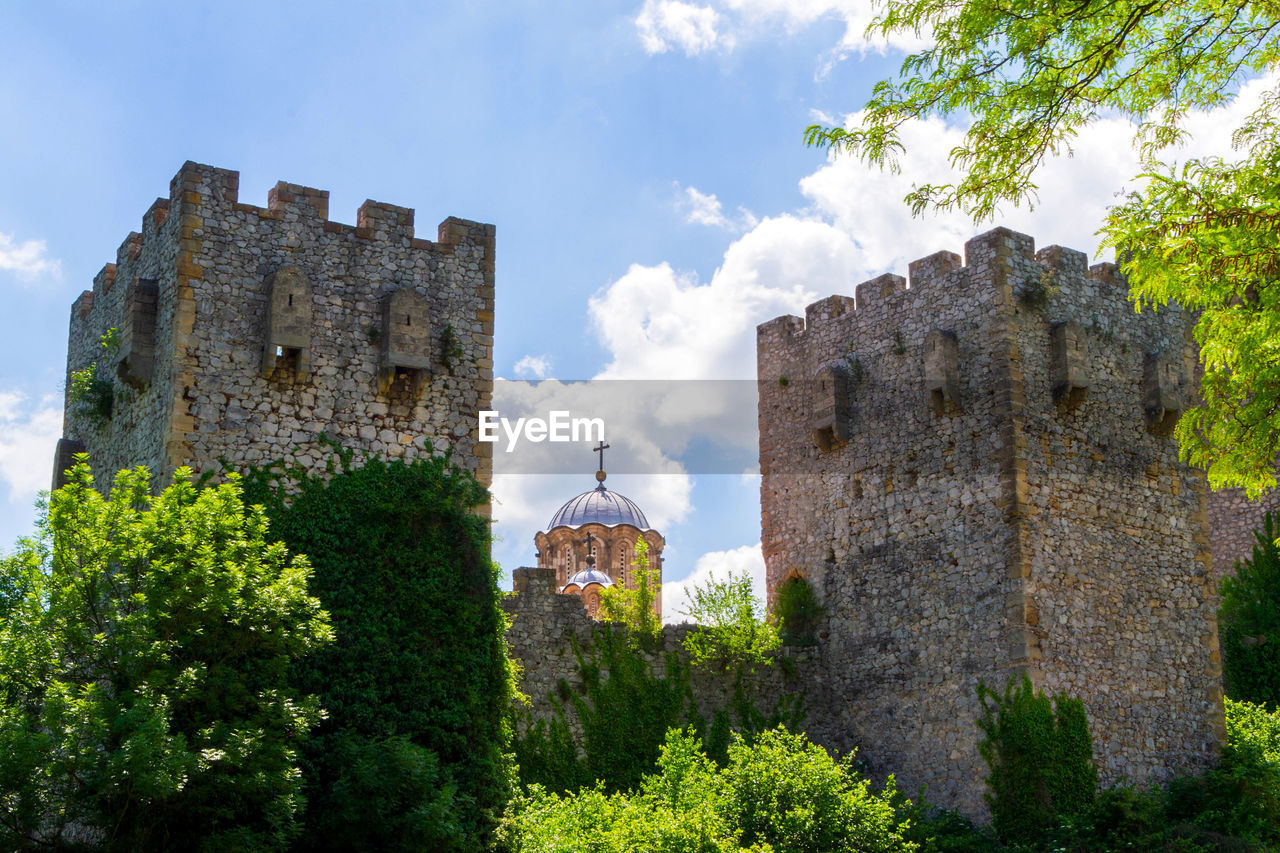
x=989 y=257
x=246 y=333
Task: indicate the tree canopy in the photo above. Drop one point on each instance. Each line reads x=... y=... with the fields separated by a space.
x=1204 y=233
x=145 y=646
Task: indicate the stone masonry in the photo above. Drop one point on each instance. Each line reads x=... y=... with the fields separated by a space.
x=248 y=332
x=976 y=475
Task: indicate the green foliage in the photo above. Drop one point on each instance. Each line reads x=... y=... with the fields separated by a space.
x=1241 y=796
x=144 y=656
x=418 y=680
x=625 y=710
x=1250 y=623
x=797 y=611
x=733 y=631
x=780 y=794
x=450 y=348
x=1039 y=756
x=1204 y=234
x=634 y=608
x=92 y=395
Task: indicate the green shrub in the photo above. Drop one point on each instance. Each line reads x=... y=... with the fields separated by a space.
x=1241 y=796
x=781 y=794
x=798 y=612
x=419 y=673
x=732 y=629
x=145 y=648
x=1039 y=757
x=1250 y=623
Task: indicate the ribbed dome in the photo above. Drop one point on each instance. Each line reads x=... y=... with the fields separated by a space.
x=599 y=506
x=586 y=576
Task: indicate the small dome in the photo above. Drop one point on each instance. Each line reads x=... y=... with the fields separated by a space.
x=599 y=506
x=589 y=576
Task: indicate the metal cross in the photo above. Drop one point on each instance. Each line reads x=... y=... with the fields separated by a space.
x=601 y=448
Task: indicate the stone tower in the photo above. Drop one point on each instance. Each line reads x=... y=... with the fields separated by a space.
x=246 y=333
x=976 y=475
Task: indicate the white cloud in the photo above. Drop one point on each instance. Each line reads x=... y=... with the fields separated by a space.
x=715 y=565
x=27 y=259
x=29 y=432
x=533 y=366
x=699 y=208
x=667 y=24
x=657 y=322
x=728 y=22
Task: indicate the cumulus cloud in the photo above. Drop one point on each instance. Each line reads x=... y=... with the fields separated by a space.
x=725 y=23
x=713 y=566
x=533 y=367
x=29 y=431
x=27 y=259
x=667 y=24
x=699 y=208
x=659 y=322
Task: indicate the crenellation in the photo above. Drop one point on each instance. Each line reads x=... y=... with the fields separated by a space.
x=385 y=221
x=306 y=202
x=1108 y=273
x=827 y=309
x=105 y=278
x=879 y=289
x=1065 y=261
x=240 y=375
x=130 y=249
x=932 y=269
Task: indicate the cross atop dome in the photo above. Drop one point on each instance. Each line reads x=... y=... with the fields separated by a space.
x=600 y=475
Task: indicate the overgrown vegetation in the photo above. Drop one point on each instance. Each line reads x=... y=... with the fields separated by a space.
x=417 y=686
x=1039 y=755
x=91 y=391
x=634 y=608
x=797 y=611
x=1250 y=623
x=629 y=694
x=732 y=632
x=144 y=654
x=779 y=793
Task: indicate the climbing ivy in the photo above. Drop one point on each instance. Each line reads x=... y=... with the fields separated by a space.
x=417 y=686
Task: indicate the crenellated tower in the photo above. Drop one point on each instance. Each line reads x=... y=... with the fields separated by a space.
x=245 y=333
x=973 y=467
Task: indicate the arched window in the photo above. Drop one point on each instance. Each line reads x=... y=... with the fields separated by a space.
x=622 y=563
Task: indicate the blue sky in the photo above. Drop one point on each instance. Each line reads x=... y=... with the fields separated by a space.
x=641 y=160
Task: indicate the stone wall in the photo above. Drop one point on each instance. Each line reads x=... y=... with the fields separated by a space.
x=976 y=475
x=546 y=625
x=389 y=348
x=1234 y=519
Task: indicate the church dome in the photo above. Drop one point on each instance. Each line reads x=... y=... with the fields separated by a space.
x=599 y=506
x=589 y=576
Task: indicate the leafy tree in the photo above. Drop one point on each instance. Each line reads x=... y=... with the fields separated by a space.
x=413 y=753
x=1250 y=623
x=1039 y=756
x=634 y=607
x=144 y=651
x=1204 y=233
x=733 y=630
